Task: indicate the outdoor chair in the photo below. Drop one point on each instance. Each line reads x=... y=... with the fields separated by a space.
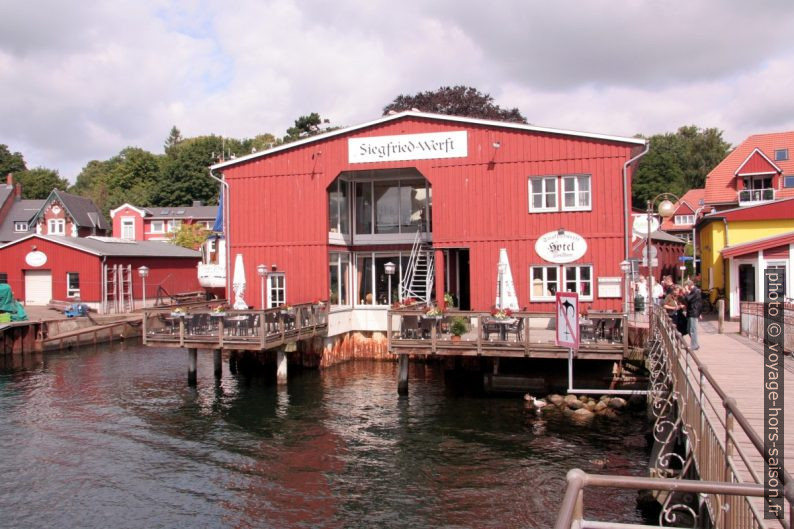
x=426 y=326
x=489 y=327
x=409 y=327
x=517 y=329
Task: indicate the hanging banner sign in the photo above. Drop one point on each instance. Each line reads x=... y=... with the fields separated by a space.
x=561 y=246
x=568 y=319
x=408 y=147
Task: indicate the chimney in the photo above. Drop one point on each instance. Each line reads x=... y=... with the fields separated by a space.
x=197 y=203
x=10 y=179
x=18 y=191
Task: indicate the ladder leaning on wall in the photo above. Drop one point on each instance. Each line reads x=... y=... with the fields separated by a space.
x=117 y=289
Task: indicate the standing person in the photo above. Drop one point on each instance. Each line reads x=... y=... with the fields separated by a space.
x=642 y=291
x=694 y=306
x=657 y=292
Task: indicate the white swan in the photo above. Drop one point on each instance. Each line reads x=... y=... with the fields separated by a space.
x=537 y=403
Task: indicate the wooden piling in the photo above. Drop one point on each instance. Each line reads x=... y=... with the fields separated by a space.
x=217 y=358
x=233 y=362
x=192 y=355
x=402 y=375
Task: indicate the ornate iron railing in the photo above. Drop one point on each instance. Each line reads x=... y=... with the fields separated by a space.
x=692 y=411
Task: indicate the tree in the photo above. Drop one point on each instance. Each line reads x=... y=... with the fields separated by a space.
x=92 y=182
x=38 y=183
x=306 y=126
x=457 y=101
x=10 y=162
x=185 y=175
x=189 y=236
x=133 y=176
x=677 y=162
x=174 y=138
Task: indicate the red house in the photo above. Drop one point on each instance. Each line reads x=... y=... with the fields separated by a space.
x=438 y=196
x=99 y=271
x=158 y=223
x=760 y=169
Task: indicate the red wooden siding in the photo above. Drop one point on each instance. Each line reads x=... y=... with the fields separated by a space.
x=756 y=164
x=779 y=252
x=279 y=205
x=128 y=212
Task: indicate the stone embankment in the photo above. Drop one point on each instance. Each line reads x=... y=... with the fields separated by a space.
x=582 y=407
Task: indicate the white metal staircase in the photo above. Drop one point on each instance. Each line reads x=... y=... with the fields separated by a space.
x=417 y=282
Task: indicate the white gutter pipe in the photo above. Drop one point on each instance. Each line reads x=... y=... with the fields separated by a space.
x=226 y=230
x=626 y=199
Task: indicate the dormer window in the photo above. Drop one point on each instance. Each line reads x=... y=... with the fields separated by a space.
x=20 y=226
x=781 y=155
x=682 y=220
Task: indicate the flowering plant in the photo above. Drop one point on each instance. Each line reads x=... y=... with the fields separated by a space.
x=433 y=312
x=501 y=314
x=218 y=309
x=407 y=302
x=178 y=310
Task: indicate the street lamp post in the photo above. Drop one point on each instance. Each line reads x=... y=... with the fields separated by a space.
x=666 y=210
x=625 y=267
x=683 y=269
x=144 y=273
x=262 y=270
x=389 y=268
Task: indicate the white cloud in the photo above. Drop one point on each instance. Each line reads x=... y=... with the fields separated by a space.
x=91 y=78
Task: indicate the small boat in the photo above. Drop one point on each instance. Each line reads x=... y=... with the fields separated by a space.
x=212 y=268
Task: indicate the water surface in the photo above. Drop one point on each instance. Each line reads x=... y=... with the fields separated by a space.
x=113 y=437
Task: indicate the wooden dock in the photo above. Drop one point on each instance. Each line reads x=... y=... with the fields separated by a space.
x=737 y=366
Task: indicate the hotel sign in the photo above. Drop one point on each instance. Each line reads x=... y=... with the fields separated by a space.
x=408 y=147
x=561 y=246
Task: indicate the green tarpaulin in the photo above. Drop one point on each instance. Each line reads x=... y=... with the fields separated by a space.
x=9 y=305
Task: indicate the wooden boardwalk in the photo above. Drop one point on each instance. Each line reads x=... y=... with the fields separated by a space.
x=737 y=365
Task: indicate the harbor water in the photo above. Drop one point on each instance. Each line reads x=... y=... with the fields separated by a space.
x=113 y=437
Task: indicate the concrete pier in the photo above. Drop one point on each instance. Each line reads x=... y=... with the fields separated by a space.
x=192 y=361
x=281 y=366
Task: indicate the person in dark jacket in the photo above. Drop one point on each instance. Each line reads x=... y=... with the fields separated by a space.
x=694 y=306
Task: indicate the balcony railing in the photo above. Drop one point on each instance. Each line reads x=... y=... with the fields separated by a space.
x=755 y=196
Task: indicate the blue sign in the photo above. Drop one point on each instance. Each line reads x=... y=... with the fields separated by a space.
x=685 y=258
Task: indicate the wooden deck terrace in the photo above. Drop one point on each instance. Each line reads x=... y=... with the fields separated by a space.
x=525 y=335
x=252 y=330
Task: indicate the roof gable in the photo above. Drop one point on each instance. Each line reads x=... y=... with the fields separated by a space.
x=139 y=211
x=721 y=182
x=757 y=163
x=82 y=211
x=429 y=117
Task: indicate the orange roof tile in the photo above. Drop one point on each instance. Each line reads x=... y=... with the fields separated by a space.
x=721 y=183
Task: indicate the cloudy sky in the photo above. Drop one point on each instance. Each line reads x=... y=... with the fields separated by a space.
x=80 y=80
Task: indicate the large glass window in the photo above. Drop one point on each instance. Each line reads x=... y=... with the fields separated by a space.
x=365 y=280
x=390 y=206
x=544 y=283
x=339 y=278
x=372 y=282
x=72 y=285
x=339 y=207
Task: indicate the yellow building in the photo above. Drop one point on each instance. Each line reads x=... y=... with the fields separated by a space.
x=737 y=245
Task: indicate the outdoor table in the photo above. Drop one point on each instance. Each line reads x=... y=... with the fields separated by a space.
x=503 y=323
x=586 y=329
x=237 y=323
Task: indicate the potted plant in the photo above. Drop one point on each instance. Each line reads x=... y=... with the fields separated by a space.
x=501 y=314
x=449 y=299
x=434 y=312
x=458 y=328
x=219 y=311
x=178 y=312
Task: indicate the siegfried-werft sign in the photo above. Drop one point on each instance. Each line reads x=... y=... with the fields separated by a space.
x=561 y=246
x=408 y=147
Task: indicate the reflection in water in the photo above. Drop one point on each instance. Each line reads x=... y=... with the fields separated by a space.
x=117 y=438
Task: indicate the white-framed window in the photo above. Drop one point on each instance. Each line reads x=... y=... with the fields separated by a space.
x=339 y=207
x=128 y=228
x=157 y=226
x=173 y=225
x=781 y=155
x=339 y=278
x=579 y=279
x=683 y=219
x=576 y=193
x=20 y=226
x=543 y=193
x=372 y=282
x=276 y=289
x=72 y=285
x=544 y=281
x=56 y=226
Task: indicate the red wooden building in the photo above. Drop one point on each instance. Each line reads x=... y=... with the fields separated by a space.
x=438 y=196
x=40 y=268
